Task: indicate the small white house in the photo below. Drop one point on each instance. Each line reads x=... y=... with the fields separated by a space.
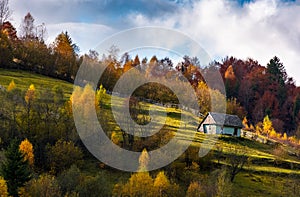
x=219 y=123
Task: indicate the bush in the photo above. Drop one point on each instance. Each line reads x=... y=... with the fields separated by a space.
x=219 y=183
x=195 y=189
x=69 y=180
x=45 y=186
x=62 y=155
x=94 y=186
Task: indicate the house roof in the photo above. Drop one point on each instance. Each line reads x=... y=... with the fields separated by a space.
x=226 y=119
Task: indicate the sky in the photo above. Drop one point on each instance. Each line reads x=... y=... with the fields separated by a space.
x=257 y=29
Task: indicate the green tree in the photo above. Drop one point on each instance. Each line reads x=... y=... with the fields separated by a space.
x=278 y=76
x=36 y=56
x=63 y=154
x=6 y=50
x=94 y=186
x=276 y=70
x=66 y=53
x=69 y=179
x=296 y=108
x=15 y=170
x=29 y=98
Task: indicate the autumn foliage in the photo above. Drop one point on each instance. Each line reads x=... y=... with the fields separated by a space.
x=3 y=188
x=27 y=149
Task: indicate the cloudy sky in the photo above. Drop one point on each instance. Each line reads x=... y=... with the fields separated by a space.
x=259 y=29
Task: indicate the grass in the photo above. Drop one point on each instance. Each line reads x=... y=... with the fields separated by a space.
x=24 y=79
x=262 y=184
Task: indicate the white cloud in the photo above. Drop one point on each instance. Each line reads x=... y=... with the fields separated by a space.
x=260 y=29
x=86 y=36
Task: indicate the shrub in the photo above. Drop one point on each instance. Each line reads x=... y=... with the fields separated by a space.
x=69 y=180
x=62 y=155
x=45 y=186
x=195 y=189
x=94 y=186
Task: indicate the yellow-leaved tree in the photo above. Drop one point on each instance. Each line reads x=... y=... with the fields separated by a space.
x=29 y=97
x=11 y=86
x=267 y=126
x=142 y=184
x=139 y=184
x=162 y=184
x=3 y=188
x=115 y=138
x=84 y=101
x=30 y=94
x=27 y=149
x=284 y=137
x=245 y=123
x=194 y=189
x=100 y=94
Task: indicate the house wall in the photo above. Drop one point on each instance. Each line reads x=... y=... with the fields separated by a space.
x=216 y=129
x=230 y=131
x=209 y=129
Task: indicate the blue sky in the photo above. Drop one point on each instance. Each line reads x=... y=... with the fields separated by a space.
x=259 y=29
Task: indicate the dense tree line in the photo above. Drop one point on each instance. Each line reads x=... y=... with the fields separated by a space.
x=252 y=90
x=263 y=91
x=28 y=51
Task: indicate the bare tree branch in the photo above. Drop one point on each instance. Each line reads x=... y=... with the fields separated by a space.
x=5 y=12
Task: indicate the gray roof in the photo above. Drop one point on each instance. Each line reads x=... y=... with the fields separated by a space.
x=226 y=119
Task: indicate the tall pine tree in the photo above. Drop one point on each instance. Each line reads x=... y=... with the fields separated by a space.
x=277 y=78
x=15 y=170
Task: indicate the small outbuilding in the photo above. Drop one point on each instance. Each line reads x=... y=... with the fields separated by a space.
x=219 y=123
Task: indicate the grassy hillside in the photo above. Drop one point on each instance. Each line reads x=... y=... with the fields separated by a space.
x=266 y=174
x=24 y=79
